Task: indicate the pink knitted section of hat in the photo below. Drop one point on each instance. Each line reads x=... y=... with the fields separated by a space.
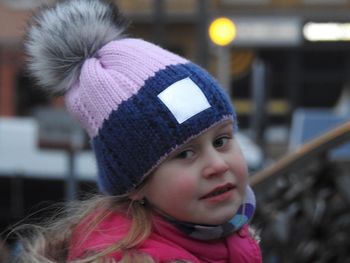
x=117 y=72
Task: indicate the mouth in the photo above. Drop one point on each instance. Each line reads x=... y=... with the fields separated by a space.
x=218 y=191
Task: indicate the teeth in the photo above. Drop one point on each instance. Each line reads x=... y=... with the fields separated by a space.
x=220 y=191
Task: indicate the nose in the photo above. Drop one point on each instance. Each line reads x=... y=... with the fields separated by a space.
x=214 y=164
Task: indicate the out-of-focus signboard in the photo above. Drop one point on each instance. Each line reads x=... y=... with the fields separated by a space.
x=327 y=31
x=307 y=124
x=267 y=31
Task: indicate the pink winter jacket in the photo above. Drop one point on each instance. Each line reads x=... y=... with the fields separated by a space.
x=166 y=243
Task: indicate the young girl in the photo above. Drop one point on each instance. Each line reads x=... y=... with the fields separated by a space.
x=172 y=177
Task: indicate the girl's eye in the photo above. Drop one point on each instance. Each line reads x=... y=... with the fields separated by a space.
x=185 y=154
x=220 y=142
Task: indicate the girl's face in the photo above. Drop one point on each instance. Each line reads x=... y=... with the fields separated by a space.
x=204 y=181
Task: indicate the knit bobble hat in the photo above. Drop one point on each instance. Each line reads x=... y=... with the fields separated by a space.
x=137 y=101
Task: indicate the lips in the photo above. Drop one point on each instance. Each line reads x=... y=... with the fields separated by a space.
x=217 y=191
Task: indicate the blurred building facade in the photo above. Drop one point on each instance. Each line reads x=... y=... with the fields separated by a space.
x=297 y=71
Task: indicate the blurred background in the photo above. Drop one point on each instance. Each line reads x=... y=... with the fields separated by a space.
x=285 y=65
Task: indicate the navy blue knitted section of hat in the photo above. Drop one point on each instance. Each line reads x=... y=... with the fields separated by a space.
x=142 y=131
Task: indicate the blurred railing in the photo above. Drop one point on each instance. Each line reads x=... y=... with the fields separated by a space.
x=303 y=209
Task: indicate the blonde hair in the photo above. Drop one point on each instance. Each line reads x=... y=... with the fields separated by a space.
x=49 y=242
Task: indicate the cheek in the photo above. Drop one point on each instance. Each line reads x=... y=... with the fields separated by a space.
x=186 y=185
x=172 y=188
x=181 y=187
x=240 y=169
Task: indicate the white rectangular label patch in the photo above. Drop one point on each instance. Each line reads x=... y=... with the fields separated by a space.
x=184 y=99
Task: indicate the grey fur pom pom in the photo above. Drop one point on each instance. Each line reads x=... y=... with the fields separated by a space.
x=62 y=37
